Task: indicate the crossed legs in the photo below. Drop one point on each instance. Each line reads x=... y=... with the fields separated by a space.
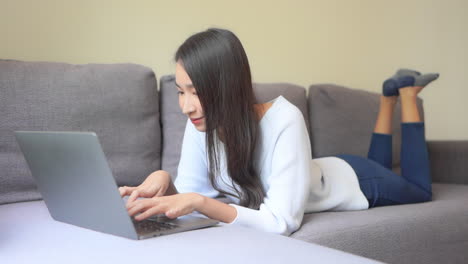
x=414 y=154
x=378 y=182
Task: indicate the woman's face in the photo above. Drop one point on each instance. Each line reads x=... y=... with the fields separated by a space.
x=188 y=98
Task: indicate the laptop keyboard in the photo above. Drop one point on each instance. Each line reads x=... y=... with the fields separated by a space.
x=152 y=226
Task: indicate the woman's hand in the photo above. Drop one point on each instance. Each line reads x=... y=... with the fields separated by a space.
x=158 y=183
x=172 y=206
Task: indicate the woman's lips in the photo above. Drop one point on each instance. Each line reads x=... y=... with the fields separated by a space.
x=196 y=120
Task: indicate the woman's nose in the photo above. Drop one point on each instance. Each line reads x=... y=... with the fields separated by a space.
x=188 y=107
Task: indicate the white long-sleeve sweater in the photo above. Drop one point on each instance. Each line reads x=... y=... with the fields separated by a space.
x=294 y=183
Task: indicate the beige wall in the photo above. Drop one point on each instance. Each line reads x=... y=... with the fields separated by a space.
x=353 y=43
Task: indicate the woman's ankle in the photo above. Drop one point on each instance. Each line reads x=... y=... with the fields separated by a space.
x=388 y=100
x=410 y=91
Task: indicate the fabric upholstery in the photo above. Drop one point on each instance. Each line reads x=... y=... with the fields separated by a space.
x=119 y=102
x=342 y=121
x=173 y=121
x=432 y=232
x=37 y=238
x=448 y=161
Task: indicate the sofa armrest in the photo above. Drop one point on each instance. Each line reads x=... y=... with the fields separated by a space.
x=449 y=161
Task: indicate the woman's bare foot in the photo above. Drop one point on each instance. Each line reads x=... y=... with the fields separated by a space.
x=412 y=91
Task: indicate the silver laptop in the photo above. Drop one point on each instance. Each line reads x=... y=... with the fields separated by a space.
x=78 y=188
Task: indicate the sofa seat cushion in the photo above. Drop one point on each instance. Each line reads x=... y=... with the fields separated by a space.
x=117 y=101
x=432 y=232
x=30 y=235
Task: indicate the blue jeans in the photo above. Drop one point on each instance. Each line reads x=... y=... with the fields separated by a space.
x=380 y=184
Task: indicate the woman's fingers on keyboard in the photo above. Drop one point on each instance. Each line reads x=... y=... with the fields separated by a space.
x=135 y=194
x=125 y=190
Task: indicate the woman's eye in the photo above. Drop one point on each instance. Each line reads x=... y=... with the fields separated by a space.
x=182 y=93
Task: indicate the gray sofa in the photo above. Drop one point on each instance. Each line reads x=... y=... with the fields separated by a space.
x=141 y=128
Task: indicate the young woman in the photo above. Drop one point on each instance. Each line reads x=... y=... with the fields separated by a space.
x=259 y=155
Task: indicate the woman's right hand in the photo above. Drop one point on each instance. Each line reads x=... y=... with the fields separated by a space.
x=156 y=184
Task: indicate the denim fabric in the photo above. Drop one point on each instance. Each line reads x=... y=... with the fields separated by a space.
x=380 y=149
x=380 y=185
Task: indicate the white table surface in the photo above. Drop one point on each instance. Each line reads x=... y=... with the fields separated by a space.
x=29 y=235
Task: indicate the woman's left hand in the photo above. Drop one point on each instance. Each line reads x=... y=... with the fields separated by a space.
x=172 y=206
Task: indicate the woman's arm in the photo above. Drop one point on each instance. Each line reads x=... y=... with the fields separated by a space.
x=215 y=209
x=289 y=180
x=210 y=207
x=181 y=204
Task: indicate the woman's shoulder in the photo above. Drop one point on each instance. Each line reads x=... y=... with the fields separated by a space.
x=283 y=113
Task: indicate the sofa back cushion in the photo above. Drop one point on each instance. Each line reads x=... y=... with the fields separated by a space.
x=119 y=102
x=342 y=121
x=173 y=121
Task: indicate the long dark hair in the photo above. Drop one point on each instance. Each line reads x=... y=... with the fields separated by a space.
x=219 y=69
